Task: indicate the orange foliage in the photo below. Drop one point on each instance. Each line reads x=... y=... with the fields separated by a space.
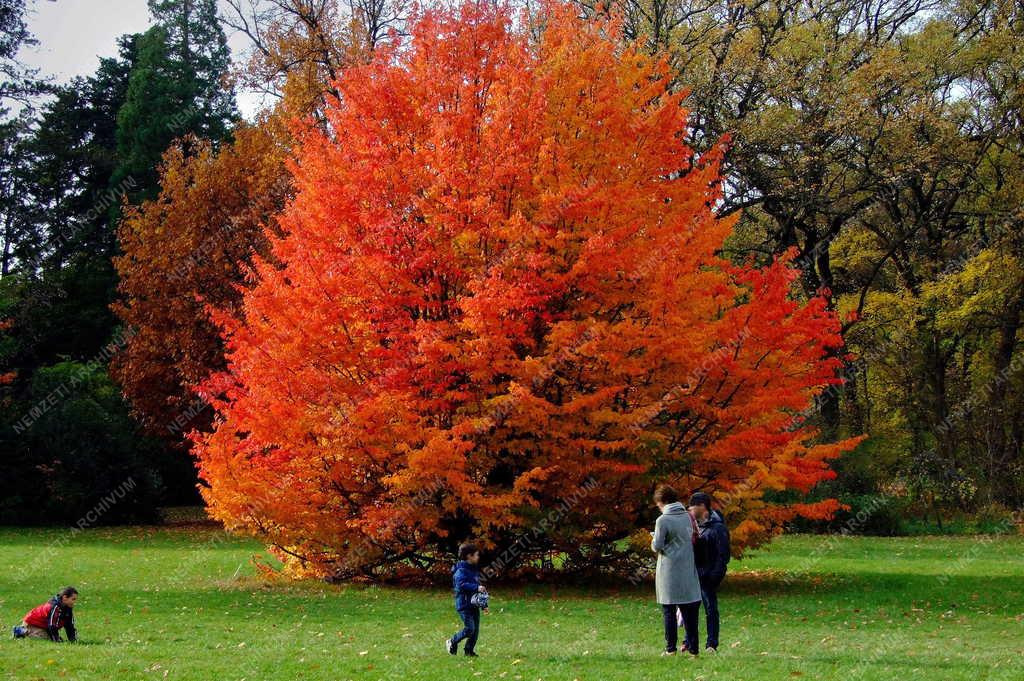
x=499 y=284
x=189 y=246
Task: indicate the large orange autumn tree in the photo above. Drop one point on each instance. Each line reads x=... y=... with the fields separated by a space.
x=499 y=311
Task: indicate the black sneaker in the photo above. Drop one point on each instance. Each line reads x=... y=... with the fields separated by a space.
x=451 y=647
x=470 y=653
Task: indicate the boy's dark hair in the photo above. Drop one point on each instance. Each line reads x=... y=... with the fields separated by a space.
x=466 y=550
x=67 y=591
x=665 y=494
x=701 y=499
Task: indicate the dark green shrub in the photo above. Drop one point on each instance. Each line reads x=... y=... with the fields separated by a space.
x=75 y=454
x=871 y=514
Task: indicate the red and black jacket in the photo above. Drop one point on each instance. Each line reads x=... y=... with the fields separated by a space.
x=53 y=616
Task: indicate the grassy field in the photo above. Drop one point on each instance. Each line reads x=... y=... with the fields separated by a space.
x=183 y=603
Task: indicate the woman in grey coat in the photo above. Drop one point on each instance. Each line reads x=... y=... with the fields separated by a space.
x=676 y=583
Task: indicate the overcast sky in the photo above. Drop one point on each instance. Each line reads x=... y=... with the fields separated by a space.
x=74 y=34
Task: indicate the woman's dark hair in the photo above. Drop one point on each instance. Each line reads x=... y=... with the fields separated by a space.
x=466 y=550
x=665 y=495
x=701 y=499
x=67 y=592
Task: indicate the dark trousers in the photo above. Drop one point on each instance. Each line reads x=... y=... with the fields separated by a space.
x=690 y=612
x=709 y=597
x=471 y=628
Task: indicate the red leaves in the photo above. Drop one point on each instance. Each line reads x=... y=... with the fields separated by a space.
x=490 y=290
x=187 y=249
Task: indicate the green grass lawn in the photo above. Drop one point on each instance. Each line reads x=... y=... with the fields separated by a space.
x=183 y=603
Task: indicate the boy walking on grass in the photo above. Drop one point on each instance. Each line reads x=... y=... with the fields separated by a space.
x=470 y=599
x=46 y=620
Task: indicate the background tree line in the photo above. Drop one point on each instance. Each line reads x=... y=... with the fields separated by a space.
x=77 y=157
x=882 y=141
x=879 y=140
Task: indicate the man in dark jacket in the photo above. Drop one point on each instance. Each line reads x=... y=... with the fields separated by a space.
x=466 y=584
x=712 y=553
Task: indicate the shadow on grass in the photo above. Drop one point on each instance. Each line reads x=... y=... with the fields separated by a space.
x=783 y=582
x=122 y=536
x=900 y=593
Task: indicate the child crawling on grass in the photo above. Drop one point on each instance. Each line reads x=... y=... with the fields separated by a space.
x=46 y=620
x=470 y=599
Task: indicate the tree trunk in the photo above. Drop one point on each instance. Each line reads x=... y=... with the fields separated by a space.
x=830 y=411
x=998 y=456
x=850 y=392
x=5 y=256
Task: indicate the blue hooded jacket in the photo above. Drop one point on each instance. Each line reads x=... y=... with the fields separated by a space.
x=712 y=550
x=465 y=582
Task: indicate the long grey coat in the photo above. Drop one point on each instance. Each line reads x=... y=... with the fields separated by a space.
x=676 y=579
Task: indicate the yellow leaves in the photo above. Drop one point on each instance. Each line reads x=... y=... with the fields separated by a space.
x=856 y=250
x=984 y=283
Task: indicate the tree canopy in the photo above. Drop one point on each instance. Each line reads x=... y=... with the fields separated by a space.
x=502 y=285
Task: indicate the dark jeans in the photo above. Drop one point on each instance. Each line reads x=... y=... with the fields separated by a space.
x=471 y=630
x=709 y=596
x=690 y=613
